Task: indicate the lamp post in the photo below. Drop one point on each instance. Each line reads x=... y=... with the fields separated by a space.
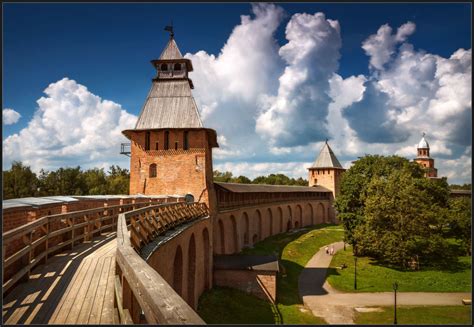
x=355 y=272
x=395 y=287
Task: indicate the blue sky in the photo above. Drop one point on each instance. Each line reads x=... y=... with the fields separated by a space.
x=106 y=48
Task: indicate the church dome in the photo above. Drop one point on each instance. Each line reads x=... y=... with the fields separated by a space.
x=423 y=144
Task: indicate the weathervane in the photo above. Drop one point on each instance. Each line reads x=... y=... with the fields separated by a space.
x=424 y=134
x=169 y=28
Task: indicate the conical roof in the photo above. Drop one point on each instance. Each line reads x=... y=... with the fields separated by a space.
x=171 y=51
x=326 y=159
x=423 y=143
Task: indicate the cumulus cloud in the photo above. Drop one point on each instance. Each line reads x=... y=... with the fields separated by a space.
x=381 y=46
x=10 y=116
x=297 y=114
x=71 y=126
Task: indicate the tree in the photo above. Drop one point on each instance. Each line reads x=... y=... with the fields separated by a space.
x=391 y=212
x=459 y=222
x=350 y=203
x=118 y=180
x=401 y=221
x=19 y=182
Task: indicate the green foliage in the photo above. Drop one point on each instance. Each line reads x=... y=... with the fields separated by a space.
x=392 y=213
x=460 y=187
x=20 y=181
x=272 y=179
x=418 y=315
x=459 y=220
x=372 y=276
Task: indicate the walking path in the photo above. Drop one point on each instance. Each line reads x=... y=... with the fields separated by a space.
x=338 y=308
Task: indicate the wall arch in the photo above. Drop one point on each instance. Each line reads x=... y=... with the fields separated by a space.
x=246 y=229
x=207 y=263
x=235 y=239
x=320 y=213
x=221 y=239
x=289 y=219
x=308 y=215
x=280 y=217
x=270 y=221
x=178 y=271
x=298 y=216
x=256 y=226
x=191 y=271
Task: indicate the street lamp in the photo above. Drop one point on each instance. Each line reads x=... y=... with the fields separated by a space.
x=395 y=287
x=355 y=272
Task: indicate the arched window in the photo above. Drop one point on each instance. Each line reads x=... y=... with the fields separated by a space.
x=177 y=66
x=164 y=67
x=185 y=141
x=167 y=140
x=152 y=170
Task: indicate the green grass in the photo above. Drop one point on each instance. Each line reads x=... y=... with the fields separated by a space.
x=223 y=305
x=294 y=250
x=372 y=277
x=412 y=315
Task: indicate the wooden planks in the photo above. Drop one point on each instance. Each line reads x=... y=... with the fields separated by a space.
x=74 y=287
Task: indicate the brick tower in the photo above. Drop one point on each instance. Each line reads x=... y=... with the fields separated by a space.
x=423 y=158
x=326 y=170
x=170 y=150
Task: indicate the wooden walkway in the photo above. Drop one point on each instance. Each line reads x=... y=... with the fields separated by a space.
x=74 y=287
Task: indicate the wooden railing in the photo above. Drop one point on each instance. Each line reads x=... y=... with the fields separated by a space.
x=24 y=247
x=139 y=288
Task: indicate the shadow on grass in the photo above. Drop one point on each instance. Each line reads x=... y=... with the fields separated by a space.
x=453 y=266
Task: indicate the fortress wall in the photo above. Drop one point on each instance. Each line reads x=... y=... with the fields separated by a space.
x=185 y=261
x=237 y=228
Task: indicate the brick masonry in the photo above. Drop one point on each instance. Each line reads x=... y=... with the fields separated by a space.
x=262 y=284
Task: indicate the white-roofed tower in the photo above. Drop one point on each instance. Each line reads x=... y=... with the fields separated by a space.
x=171 y=150
x=423 y=158
x=326 y=170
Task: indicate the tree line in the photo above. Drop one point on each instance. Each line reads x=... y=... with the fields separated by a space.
x=392 y=213
x=20 y=181
x=272 y=179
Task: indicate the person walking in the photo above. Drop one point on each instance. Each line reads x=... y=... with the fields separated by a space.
x=332 y=250
x=327 y=249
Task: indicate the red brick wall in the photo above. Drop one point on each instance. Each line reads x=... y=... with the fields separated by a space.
x=178 y=171
x=259 y=283
x=163 y=260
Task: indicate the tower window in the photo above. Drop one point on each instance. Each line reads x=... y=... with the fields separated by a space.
x=167 y=140
x=185 y=141
x=177 y=66
x=157 y=146
x=176 y=145
x=147 y=141
x=164 y=67
x=152 y=170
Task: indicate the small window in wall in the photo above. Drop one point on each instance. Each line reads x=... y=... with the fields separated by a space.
x=185 y=141
x=176 y=145
x=147 y=141
x=167 y=140
x=152 y=170
x=157 y=146
x=177 y=66
x=164 y=67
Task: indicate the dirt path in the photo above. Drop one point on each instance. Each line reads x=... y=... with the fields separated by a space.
x=338 y=308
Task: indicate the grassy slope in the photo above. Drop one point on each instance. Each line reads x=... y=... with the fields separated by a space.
x=224 y=305
x=432 y=315
x=295 y=250
x=375 y=278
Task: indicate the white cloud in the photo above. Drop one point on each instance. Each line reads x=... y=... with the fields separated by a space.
x=381 y=46
x=297 y=114
x=10 y=116
x=252 y=170
x=71 y=127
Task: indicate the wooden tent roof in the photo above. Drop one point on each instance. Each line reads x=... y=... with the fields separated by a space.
x=263 y=188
